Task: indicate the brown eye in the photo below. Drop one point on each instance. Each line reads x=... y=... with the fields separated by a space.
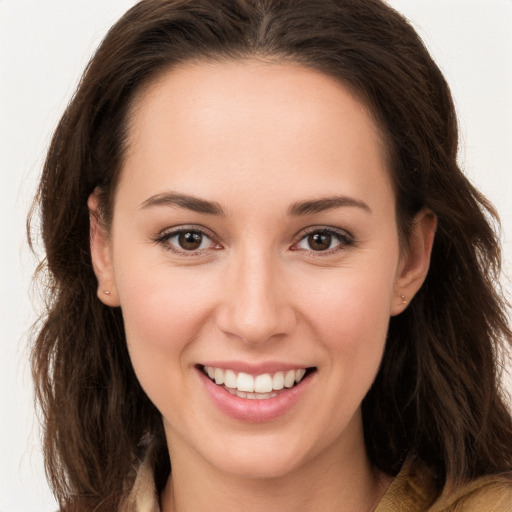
x=319 y=241
x=187 y=242
x=324 y=240
x=190 y=240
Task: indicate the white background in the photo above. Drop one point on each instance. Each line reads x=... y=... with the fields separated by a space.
x=44 y=46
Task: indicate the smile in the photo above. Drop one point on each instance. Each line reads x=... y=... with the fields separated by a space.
x=259 y=387
x=251 y=394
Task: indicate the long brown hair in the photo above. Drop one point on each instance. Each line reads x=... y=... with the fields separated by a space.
x=436 y=397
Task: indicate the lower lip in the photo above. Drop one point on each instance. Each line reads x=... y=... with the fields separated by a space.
x=257 y=410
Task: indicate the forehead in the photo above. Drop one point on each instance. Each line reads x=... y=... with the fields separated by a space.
x=206 y=124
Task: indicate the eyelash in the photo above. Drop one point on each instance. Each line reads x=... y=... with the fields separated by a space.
x=164 y=240
x=344 y=239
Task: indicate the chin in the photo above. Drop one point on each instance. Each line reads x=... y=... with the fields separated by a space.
x=260 y=459
x=259 y=468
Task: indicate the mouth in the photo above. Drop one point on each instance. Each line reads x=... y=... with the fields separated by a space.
x=256 y=387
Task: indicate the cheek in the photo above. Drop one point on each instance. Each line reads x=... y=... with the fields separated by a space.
x=164 y=310
x=350 y=312
x=352 y=307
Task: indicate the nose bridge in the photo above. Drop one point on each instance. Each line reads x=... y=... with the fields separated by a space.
x=255 y=306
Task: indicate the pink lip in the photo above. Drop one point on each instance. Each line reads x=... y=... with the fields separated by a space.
x=253 y=411
x=254 y=369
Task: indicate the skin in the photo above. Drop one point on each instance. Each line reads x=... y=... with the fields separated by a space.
x=256 y=139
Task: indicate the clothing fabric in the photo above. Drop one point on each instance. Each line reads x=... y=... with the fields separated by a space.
x=413 y=490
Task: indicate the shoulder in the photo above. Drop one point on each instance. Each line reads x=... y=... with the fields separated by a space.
x=486 y=494
x=414 y=490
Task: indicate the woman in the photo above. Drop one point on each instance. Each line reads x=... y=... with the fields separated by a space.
x=268 y=270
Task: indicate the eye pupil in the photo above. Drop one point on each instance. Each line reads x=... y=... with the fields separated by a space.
x=190 y=240
x=319 y=241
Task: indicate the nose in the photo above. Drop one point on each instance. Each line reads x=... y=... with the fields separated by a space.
x=255 y=306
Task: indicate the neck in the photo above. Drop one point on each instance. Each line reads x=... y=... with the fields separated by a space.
x=340 y=479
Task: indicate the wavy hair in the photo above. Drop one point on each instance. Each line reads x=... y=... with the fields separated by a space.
x=436 y=397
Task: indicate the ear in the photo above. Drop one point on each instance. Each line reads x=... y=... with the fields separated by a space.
x=415 y=260
x=101 y=255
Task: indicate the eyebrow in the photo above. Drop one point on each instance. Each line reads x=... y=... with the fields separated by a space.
x=299 y=208
x=325 y=203
x=184 y=201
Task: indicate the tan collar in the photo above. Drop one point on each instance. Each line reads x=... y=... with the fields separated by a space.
x=413 y=490
x=143 y=496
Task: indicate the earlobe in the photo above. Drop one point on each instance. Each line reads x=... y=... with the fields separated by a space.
x=415 y=261
x=101 y=256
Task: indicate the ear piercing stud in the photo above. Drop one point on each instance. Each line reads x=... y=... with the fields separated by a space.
x=106 y=292
x=401 y=296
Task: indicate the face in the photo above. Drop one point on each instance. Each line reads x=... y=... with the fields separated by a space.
x=255 y=256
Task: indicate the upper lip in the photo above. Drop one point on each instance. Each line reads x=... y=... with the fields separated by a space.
x=255 y=368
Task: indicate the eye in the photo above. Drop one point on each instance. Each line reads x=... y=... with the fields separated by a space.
x=324 y=240
x=190 y=240
x=186 y=240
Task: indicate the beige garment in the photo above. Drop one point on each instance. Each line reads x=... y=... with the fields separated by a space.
x=143 y=496
x=413 y=490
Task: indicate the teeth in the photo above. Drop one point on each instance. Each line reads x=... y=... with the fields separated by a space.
x=263 y=383
x=248 y=386
x=278 y=381
x=289 y=379
x=245 y=382
x=252 y=396
x=219 y=376
x=299 y=374
x=229 y=379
